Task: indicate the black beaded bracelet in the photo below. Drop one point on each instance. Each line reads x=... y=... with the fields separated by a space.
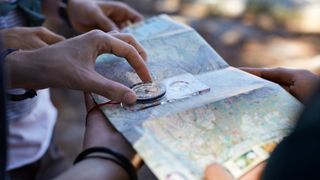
x=17 y=97
x=105 y=158
x=20 y=97
x=119 y=159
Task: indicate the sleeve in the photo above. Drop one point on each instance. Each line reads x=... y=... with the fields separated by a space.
x=3 y=121
x=298 y=155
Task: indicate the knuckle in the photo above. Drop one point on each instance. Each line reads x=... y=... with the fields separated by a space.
x=114 y=32
x=95 y=35
x=96 y=32
x=42 y=29
x=279 y=69
x=127 y=37
x=126 y=6
x=121 y=4
x=131 y=50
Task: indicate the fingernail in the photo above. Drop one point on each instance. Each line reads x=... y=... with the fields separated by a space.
x=129 y=98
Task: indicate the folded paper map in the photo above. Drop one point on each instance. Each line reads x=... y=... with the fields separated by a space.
x=211 y=112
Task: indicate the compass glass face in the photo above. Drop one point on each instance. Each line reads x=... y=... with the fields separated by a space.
x=177 y=88
x=148 y=91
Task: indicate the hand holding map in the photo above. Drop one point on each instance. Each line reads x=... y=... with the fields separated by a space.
x=70 y=64
x=300 y=83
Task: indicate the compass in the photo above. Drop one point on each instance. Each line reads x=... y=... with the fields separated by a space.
x=148 y=91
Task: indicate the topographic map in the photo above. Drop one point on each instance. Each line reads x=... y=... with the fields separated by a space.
x=236 y=122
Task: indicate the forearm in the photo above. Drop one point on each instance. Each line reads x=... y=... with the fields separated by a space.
x=95 y=169
x=108 y=136
x=21 y=72
x=112 y=139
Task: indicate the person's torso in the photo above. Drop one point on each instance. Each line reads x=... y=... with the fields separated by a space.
x=13 y=19
x=20 y=13
x=31 y=122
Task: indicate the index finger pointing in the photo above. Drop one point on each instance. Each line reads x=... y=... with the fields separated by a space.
x=127 y=51
x=130 y=40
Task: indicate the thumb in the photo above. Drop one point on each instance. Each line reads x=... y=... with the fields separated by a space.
x=253 y=71
x=217 y=172
x=110 y=89
x=105 y=24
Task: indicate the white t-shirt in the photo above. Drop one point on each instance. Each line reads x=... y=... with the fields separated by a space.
x=31 y=124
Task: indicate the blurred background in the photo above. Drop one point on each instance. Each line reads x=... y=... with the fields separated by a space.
x=259 y=33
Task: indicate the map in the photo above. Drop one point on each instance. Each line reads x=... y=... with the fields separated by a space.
x=225 y=116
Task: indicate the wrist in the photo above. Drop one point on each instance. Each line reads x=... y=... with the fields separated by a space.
x=107 y=154
x=21 y=72
x=108 y=137
x=97 y=168
x=14 y=69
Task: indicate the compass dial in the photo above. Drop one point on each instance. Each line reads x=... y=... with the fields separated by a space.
x=148 y=91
